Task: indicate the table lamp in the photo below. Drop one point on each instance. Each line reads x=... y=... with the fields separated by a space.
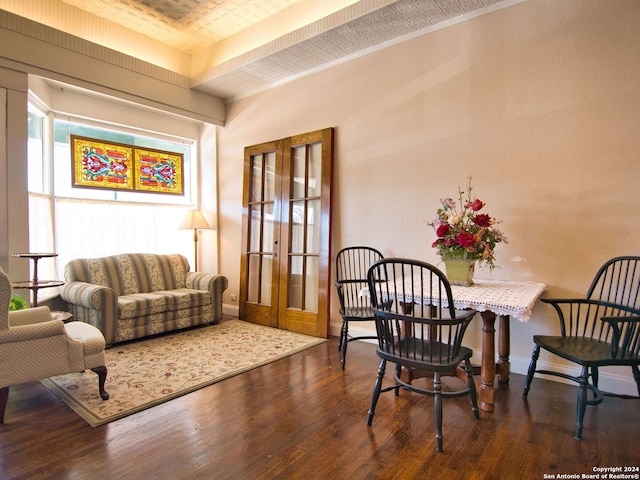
x=194 y=220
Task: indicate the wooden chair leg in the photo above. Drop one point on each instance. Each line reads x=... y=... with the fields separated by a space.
x=595 y=377
x=472 y=389
x=582 y=401
x=376 y=391
x=531 y=371
x=343 y=334
x=4 y=396
x=437 y=406
x=345 y=344
x=636 y=376
x=102 y=377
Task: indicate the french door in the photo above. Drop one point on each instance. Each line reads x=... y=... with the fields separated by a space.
x=286 y=223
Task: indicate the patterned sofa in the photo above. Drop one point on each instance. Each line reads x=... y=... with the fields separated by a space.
x=134 y=295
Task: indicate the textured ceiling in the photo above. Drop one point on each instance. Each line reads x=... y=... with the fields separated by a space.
x=204 y=28
x=188 y=25
x=400 y=19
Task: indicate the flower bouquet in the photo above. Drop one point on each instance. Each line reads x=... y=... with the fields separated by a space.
x=463 y=232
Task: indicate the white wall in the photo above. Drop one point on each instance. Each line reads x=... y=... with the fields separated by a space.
x=540 y=102
x=14 y=202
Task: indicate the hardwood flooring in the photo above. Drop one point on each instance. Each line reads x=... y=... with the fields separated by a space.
x=304 y=418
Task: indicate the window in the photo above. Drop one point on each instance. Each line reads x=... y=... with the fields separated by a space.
x=86 y=222
x=62 y=161
x=41 y=231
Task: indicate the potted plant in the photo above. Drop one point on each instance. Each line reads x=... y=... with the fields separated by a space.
x=17 y=303
x=465 y=236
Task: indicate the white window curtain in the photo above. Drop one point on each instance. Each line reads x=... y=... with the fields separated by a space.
x=41 y=236
x=88 y=229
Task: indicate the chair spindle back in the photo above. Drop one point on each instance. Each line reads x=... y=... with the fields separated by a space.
x=352 y=264
x=416 y=321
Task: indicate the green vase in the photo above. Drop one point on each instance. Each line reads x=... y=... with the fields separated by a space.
x=460 y=271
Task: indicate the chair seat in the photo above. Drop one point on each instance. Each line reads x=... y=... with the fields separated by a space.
x=358 y=313
x=583 y=351
x=436 y=354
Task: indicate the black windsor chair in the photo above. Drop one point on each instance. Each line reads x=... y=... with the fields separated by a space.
x=352 y=264
x=602 y=329
x=418 y=328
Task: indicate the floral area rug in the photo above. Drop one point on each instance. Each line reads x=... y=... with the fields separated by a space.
x=149 y=372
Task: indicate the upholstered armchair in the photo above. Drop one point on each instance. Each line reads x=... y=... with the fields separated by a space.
x=34 y=346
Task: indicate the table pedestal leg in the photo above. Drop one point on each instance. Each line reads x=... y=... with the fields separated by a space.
x=504 y=349
x=488 y=369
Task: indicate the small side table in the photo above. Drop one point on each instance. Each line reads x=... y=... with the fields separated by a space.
x=64 y=316
x=35 y=284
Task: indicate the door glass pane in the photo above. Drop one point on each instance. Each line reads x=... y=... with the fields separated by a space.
x=270 y=177
x=254 y=232
x=315 y=170
x=259 y=284
x=299 y=168
x=267 y=265
x=297 y=227
x=253 y=291
x=267 y=228
x=311 y=285
x=313 y=226
x=256 y=178
x=295 y=282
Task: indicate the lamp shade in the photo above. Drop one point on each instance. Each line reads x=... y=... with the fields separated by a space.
x=193 y=220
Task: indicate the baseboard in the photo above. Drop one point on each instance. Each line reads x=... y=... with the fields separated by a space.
x=610 y=382
x=232 y=310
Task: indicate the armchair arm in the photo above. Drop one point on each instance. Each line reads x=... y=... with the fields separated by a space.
x=574 y=314
x=616 y=321
x=34 y=331
x=29 y=316
x=626 y=329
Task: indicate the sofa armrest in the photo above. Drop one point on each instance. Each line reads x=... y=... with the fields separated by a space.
x=93 y=304
x=88 y=295
x=206 y=281
x=215 y=284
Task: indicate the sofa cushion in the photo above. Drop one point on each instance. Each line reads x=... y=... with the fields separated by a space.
x=140 y=304
x=130 y=328
x=130 y=273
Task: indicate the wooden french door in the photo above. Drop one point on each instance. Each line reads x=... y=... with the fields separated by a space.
x=286 y=223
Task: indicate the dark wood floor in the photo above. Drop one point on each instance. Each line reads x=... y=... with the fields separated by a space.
x=302 y=417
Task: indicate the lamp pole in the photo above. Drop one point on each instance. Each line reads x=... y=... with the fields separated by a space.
x=195 y=249
x=194 y=220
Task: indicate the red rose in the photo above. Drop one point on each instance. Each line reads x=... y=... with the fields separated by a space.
x=482 y=220
x=443 y=230
x=465 y=239
x=477 y=205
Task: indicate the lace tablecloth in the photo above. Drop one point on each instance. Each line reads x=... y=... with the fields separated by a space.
x=515 y=299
